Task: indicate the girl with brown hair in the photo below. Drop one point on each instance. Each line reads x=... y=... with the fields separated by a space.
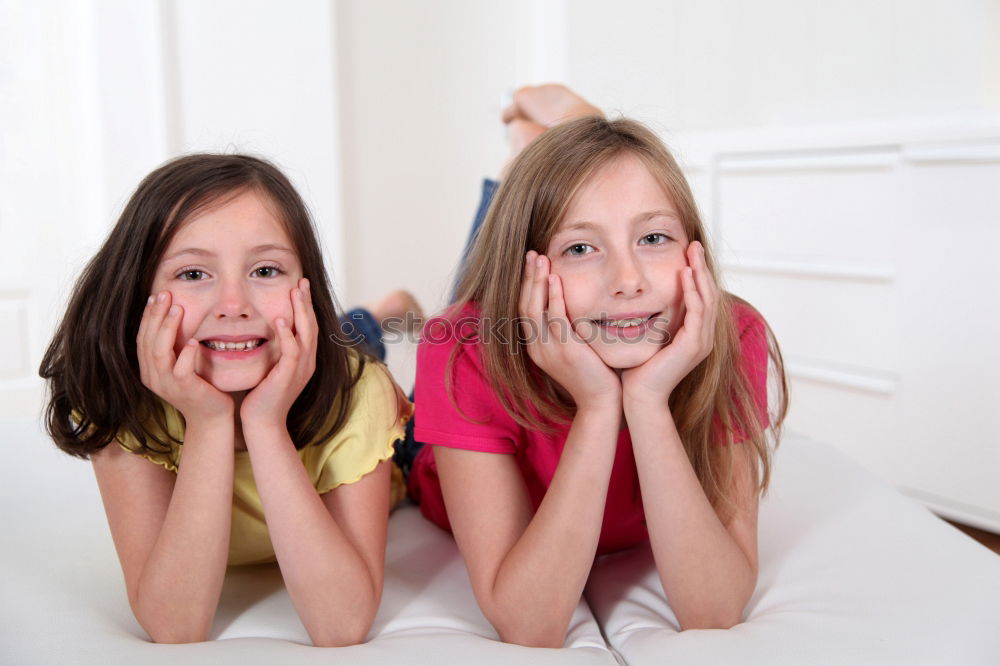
x=202 y=344
x=592 y=388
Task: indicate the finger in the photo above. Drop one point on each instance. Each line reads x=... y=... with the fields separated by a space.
x=703 y=277
x=707 y=289
x=184 y=367
x=558 y=322
x=152 y=317
x=539 y=289
x=526 y=281
x=557 y=304
x=164 y=338
x=307 y=301
x=692 y=302
x=289 y=347
x=146 y=310
x=305 y=325
x=300 y=318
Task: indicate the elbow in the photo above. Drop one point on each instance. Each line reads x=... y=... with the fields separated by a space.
x=170 y=628
x=174 y=635
x=342 y=636
x=174 y=630
x=534 y=639
x=343 y=630
x=352 y=633
x=710 y=619
x=529 y=631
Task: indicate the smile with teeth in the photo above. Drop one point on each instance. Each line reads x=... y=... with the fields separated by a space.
x=247 y=345
x=622 y=323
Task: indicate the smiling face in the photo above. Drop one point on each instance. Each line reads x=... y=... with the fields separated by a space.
x=619 y=252
x=231 y=267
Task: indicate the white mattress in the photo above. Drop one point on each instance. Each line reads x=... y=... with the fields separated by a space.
x=851 y=573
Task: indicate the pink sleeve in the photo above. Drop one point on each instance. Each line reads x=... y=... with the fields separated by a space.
x=482 y=424
x=754 y=357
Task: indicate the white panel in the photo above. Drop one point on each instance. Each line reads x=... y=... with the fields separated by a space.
x=953 y=151
x=837 y=211
x=846 y=377
x=845 y=324
x=861 y=424
x=950 y=313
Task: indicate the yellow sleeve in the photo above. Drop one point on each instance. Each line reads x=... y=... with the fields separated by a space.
x=377 y=418
x=169 y=459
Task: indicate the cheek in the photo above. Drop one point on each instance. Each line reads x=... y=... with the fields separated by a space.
x=192 y=317
x=276 y=304
x=574 y=289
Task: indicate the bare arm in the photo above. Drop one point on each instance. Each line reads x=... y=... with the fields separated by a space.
x=171 y=531
x=528 y=572
x=331 y=548
x=708 y=569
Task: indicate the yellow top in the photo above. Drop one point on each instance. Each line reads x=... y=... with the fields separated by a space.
x=377 y=417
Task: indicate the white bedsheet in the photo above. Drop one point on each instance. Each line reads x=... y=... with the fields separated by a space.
x=851 y=573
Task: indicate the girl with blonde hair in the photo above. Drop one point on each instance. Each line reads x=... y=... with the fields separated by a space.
x=592 y=389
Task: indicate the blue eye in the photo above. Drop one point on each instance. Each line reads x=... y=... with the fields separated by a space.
x=267 y=272
x=192 y=274
x=578 y=250
x=654 y=239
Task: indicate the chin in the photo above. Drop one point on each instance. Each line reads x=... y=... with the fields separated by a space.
x=622 y=356
x=234 y=382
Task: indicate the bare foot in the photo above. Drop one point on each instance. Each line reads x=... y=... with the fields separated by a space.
x=398 y=309
x=535 y=109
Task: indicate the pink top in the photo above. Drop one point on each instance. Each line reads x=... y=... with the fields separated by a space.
x=487 y=427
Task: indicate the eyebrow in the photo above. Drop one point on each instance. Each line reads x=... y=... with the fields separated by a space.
x=641 y=217
x=201 y=252
x=660 y=212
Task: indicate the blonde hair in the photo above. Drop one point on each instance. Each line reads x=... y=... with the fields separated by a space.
x=711 y=405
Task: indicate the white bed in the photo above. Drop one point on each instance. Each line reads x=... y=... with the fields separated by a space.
x=851 y=573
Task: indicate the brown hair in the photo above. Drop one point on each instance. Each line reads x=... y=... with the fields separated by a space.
x=91 y=366
x=714 y=404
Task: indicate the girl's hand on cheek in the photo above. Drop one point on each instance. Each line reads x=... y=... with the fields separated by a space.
x=269 y=401
x=554 y=345
x=653 y=381
x=172 y=376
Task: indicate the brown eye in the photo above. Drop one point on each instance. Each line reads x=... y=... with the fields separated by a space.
x=267 y=272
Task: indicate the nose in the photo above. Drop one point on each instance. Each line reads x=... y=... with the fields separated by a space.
x=233 y=301
x=626 y=275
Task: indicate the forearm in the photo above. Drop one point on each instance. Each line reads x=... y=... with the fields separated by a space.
x=541 y=580
x=180 y=584
x=333 y=589
x=705 y=574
